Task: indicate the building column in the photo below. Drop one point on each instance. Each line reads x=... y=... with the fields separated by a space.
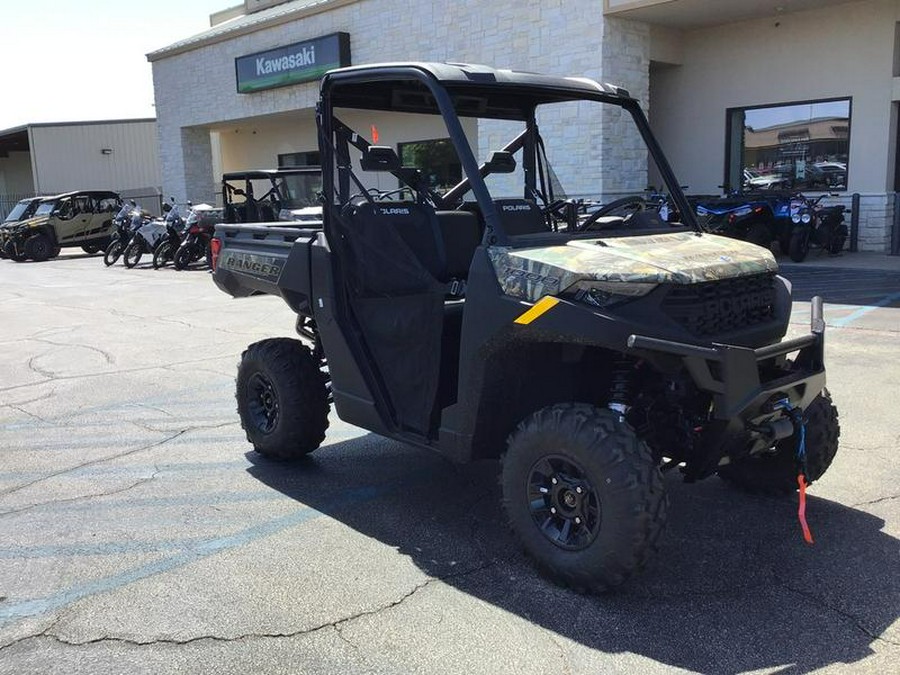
x=186 y=163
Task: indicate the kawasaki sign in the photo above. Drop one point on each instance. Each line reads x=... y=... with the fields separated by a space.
x=299 y=62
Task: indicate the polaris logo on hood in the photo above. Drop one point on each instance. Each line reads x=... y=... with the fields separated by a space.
x=516 y=207
x=305 y=57
x=395 y=212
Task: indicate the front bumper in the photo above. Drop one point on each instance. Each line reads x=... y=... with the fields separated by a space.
x=746 y=384
x=13 y=237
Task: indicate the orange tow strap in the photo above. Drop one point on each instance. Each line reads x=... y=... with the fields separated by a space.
x=801 y=510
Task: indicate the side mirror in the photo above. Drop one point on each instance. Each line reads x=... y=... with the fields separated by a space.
x=379 y=158
x=501 y=162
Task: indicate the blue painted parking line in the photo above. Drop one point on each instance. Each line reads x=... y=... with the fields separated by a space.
x=208 y=499
x=102 y=548
x=130 y=470
x=16 y=611
x=865 y=309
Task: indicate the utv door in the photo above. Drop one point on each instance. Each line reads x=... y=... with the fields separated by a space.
x=70 y=222
x=396 y=304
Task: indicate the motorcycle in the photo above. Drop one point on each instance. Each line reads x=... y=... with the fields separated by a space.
x=168 y=244
x=812 y=224
x=199 y=230
x=124 y=231
x=144 y=234
x=150 y=234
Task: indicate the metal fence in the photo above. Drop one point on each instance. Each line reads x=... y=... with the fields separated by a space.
x=8 y=201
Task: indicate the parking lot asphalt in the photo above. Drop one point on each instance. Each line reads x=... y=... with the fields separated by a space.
x=139 y=532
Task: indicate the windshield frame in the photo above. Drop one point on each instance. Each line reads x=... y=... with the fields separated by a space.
x=356 y=88
x=18 y=211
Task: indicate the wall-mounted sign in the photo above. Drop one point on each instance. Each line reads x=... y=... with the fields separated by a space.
x=291 y=64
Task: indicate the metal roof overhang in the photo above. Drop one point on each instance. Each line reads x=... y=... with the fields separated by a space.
x=14 y=140
x=689 y=14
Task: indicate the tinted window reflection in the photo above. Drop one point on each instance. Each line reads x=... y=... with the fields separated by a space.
x=791 y=147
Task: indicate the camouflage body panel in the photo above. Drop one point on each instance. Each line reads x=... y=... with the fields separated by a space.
x=672 y=258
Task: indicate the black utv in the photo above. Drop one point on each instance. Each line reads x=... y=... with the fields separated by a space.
x=592 y=348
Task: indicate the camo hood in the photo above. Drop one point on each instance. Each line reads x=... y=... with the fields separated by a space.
x=672 y=258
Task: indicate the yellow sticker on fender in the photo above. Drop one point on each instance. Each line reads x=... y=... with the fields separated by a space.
x=542 y=306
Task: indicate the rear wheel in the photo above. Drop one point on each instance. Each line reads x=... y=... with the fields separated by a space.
x=133 y=253
x=838 y=239
x=282 y=398
x=91 y=249
x=775 y=473
x=799 y=246
x=39 y=247
x=760 y=235
x=113 y=252
x=584 y=495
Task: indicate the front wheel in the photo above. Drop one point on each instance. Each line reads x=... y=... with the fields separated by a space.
x=38 y=247
x=133 y=253
x=584 y=495
x=162 y=255
x=113 y=252
x=184 y=256
x=91 y=249
x=13 y=253
x=282 y=398
x=799 y=246
x=775 y=473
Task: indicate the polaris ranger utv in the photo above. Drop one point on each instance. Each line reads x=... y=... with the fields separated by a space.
x=592 y=347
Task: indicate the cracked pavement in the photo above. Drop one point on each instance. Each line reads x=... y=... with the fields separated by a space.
x=139 y=533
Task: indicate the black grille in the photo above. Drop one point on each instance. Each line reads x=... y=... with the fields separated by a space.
x=723 y=306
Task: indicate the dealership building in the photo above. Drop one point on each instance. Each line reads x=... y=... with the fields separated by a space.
x=799 y=93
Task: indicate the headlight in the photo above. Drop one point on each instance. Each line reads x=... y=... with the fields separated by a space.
x=607 y=293
x=795 y=217
x=806 y=217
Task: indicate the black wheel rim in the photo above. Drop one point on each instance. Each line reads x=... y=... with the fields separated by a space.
x=564 y=506
x=262 y=402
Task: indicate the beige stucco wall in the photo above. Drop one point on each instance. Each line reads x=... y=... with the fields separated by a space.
x=845 y=50
x=68 y=157
x=256 y=144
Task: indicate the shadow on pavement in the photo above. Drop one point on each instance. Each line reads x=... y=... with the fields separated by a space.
x=733 y=588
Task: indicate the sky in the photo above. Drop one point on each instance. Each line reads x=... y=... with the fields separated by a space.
x=75 y=60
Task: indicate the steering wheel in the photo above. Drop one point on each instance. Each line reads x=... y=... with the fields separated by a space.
x=632 y=203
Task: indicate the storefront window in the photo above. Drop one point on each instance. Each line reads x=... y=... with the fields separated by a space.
x=294 y=159
x=436 y=159
x=795 y=146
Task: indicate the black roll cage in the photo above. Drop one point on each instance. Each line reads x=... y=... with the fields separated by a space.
x=531 y=92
